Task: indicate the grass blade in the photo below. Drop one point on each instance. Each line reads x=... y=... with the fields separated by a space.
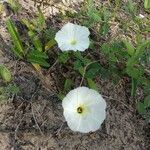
x=19 y=51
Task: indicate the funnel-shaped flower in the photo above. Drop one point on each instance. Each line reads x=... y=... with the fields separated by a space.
x=73 y=37
x=84 y=109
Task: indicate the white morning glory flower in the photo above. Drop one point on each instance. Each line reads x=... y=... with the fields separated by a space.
x=73 y=37
x=84 y=110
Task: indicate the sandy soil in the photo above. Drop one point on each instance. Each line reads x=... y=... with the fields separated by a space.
x=33 y=119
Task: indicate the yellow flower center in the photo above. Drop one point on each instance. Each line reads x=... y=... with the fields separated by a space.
x=73 y=42
x=80 y=110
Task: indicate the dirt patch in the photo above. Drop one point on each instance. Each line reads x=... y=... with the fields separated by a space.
x=5 y=141
x=33 y=120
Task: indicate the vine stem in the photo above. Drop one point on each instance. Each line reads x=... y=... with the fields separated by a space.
x=85 y=68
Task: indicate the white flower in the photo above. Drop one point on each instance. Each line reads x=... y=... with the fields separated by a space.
x=84 y=110
x=73 y=37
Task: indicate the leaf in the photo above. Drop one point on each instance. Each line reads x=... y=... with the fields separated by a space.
x=81 y=70
x=38 y=57
x=147 y=4
x=63 y=57
x=117 y=3
x=12 y=89
x=105 y=73
x=92 y=84
x=36 y=41
x=84 y=60
x=1 y=8
x=50 y=44
x=106 y=48
x=15 y=5
x=39 y=61
x=39 y=22
x=131 y=7
x=106 y=14
x=3 y=98
x=113 y=58
x=134 y=86
x=60 y=96
x=5 y=73
x=104 y=29
x=93 y=70
x=38 y=54
x=141 y=49
x=130 y=48
x=67 y=85
x=132 y=61
x=29 y=25
x=92 y=13
x=19 y=51
x=77 y=65
x=41 y=19
x=135 y=73
x=147 y=101
x=49 y=34
x=140 y=107
x=147 y=89
x=37 y=67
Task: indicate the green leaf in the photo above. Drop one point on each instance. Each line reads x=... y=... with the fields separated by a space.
x=50 y=44
x=36 y=41
x=105 y=73
x=41 y=19
x=135 y=73
x=3 y=97
x=92 y=84
x=106 y=15
x=15 y=5
x=29 y=25
x=140 y=108
x=147 y=89
x=106 y=48
x=39 y=61
x=84 y=60
x=104 y=29
x=19 y=51
x=147 y=4
x=93 y=70
x=77 y=65
x=92 y=13
x=38 y=54
x=147 y=101
x=6 y=92
x=130 y=48
x=49 y=34
x=131 y=7
x=12 y=89
x=5 y=74
x=60 y=96
x=81 y=70
x=134 y=86
x=141 y=49
x=63 y=57
x=67 y=85
x=39 y=22
x=38 y=57
x=117 y=3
